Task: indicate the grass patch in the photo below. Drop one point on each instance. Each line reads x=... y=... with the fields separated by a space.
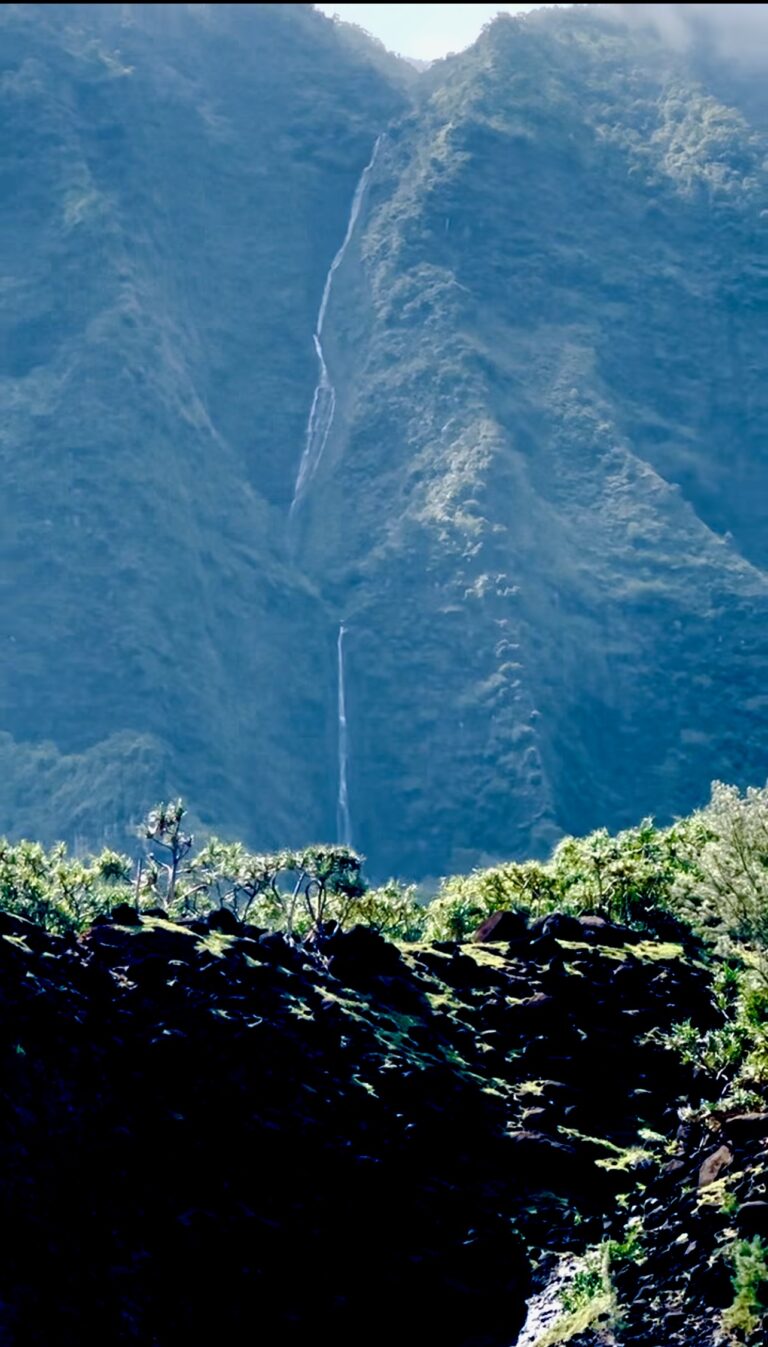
x=588 y=1300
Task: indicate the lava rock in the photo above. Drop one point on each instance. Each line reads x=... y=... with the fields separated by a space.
x=361 y=953
x=752 y=1219
x=715 y=1165
x=746 y=1127
x=562 y=926
x=126 y=915
x=508 y=926
x=603 y=932
x=223 y=920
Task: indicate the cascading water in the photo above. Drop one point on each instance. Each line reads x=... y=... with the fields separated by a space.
x=343 y=820
x=324 y=399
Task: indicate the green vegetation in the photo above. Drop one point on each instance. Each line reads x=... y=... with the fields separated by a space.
x=587 y=1299
x=704 y=881
x=708 y=872
x=726 y=889
x=587 y=1284
x=706 y=878
x=57 y=891
x=749 y=1260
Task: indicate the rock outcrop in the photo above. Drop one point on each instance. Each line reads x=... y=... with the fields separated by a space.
x=210 y=1131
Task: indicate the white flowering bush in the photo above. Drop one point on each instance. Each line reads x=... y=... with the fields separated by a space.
x=725 y=893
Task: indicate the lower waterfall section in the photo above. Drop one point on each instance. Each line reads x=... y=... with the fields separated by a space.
x=343 y=819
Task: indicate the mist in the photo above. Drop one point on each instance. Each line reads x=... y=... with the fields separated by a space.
x=735 y=33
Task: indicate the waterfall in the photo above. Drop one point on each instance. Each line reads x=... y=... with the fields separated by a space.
x=343 y=821
x=324 y=399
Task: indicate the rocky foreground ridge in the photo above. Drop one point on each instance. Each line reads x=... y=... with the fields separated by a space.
x=207 y=1130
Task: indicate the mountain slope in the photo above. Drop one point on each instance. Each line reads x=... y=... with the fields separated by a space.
x=538 y=511
x=555 y=440
x=180 y=178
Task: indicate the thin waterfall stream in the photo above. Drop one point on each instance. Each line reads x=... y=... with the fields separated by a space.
x=316 y=437
x=324 y=398
x=343 y=819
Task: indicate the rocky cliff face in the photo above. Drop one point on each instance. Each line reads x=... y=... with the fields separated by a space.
x=560 y=398
x=538 y=509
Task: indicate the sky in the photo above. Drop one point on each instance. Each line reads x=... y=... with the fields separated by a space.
x=424 y=31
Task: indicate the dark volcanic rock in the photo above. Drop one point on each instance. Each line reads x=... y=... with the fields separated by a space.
x=752 y=1219
x=508 y=926
x=221 y=919
x=746 y=1126
x=360 y=954
x=186 y=1118
x=715 y=1165
x=563 y=927
x=603 y=932
x=125 y=915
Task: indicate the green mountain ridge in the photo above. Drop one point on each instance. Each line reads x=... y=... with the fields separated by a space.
x=539 y=508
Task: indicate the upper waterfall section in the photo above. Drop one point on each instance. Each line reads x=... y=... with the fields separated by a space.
x=324 y=399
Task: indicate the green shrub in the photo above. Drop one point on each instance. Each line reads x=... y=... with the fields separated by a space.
x=747 y=1313
x=724 y=891
x=711 y=870
x=629 y=876
x=393 y=910
x=464 y=901
x=57 y=891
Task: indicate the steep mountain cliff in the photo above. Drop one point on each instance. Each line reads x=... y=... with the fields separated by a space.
x=555 y=445
x=179 y=177
x=537 y=481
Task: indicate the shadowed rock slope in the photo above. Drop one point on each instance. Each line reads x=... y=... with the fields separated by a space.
x=207 y=1130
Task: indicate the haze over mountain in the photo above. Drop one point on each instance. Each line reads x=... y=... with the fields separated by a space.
x=534 y=485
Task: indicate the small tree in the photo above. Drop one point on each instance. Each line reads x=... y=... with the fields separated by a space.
x=328 y=883
x=286 y=890
x=244 y=882
x=162 y=827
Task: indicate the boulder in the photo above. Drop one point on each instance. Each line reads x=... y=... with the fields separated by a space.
x=715 y=1165
x=507 y=926
x=19 y=927
x=600 y=931
x=126 y=945
x=276 y=948
x=126 y=915
x=544 y=948
x=544 y=1164
x=746 y=1126
x=534 y=1013
x=222 y=919
x=362 y=952
x=562 y=927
